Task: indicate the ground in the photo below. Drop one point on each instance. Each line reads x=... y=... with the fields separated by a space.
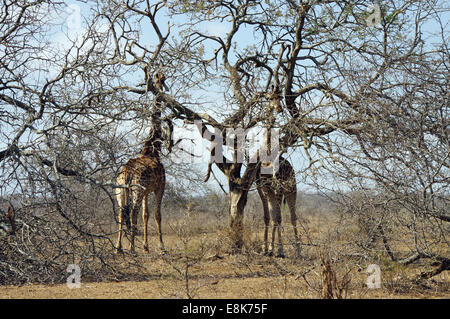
x=198 y=265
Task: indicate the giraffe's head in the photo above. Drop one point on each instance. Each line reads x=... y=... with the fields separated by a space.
x=159 y=80
x=274 y=97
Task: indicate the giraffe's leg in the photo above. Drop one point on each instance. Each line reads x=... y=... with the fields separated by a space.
x=275 y=211
x=280 y=252
x=138 y=196
x=158 y=199
x=271 y=208
x=122 y=200
x=291 y=199
x=119 y=238
x=266 y=220
x=145 y=221
x=134 y=218
x=132 y=230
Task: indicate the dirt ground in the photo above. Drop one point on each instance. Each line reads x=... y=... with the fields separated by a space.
x=245 y=288
x=235 y=277
x=197 y=265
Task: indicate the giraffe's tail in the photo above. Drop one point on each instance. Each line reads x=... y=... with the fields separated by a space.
x=126 y=216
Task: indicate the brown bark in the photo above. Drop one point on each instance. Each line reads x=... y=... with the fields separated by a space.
x=239 y=188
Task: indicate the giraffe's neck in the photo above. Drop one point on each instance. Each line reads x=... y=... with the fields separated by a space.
x=153 y=143
x=151 y=149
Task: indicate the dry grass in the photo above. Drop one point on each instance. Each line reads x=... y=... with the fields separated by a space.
x=198 y=265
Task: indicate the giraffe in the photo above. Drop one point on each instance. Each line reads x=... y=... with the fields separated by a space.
x=144 y=174
x=271 y=189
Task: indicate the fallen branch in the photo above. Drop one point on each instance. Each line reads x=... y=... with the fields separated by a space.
x=444 y=264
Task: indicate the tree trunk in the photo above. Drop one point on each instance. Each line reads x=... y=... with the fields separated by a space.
x=239 y=188
x=237 y=200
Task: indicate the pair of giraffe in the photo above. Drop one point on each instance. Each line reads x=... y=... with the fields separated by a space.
x=145 y=175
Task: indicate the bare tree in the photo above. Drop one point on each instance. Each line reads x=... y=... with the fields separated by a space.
x=362 y=94
x=331 y=67
x=335 y=71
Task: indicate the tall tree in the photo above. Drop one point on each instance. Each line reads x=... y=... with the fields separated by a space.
x=334 y=65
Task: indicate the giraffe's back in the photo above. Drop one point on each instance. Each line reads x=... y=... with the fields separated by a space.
x=145 y=171
x=284 y=179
